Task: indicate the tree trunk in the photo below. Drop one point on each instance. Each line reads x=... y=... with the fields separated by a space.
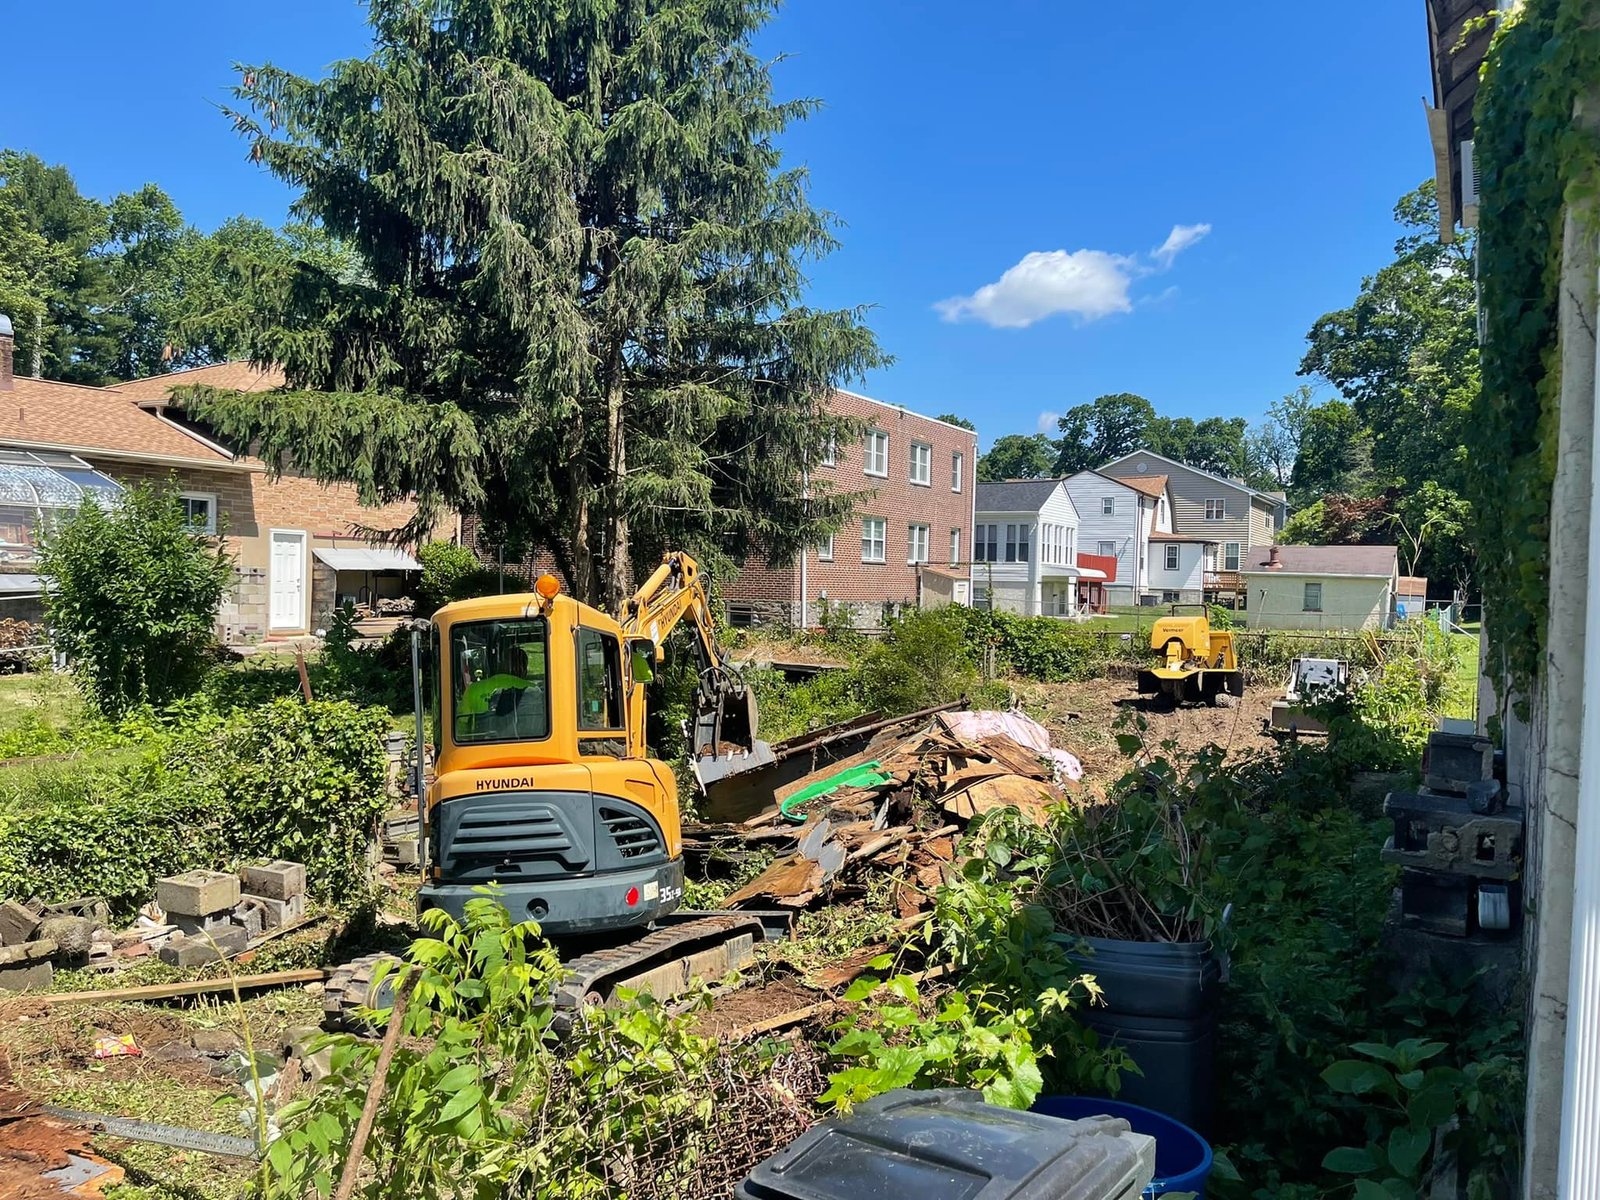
x=619 y=573
x=582 y=582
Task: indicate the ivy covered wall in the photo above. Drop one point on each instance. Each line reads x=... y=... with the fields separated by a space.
x=1532 y=159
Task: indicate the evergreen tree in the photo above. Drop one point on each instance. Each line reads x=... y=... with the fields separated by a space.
x=578 y=306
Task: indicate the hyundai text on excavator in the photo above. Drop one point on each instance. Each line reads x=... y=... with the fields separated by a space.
x=543 y=786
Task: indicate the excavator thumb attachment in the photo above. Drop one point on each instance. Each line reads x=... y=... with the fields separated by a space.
x=725 y=724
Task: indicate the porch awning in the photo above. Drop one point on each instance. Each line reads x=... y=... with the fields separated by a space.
x=15 y=586
x=368 y=558
x=1090 y=573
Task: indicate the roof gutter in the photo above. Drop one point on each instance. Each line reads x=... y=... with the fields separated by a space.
x=229 y=464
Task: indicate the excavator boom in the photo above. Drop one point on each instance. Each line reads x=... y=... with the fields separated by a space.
x=723 y=741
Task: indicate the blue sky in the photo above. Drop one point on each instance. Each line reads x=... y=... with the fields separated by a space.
x=1007 y=173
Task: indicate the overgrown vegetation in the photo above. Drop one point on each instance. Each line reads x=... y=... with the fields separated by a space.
x=1535 y=159
x=134 y=590
x=194 y=788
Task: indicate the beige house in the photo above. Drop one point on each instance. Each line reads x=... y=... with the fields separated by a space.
x=1321 y=587
x=301 y=547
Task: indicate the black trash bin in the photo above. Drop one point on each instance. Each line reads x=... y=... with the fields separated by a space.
x=1161 y=1002
x=950 y=1145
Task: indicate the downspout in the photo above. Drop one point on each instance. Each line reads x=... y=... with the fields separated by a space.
x=1579 y=1156
x=805 y=592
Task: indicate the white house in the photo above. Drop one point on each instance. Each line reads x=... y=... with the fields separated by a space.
x=1025 y=547
x=1125 y=519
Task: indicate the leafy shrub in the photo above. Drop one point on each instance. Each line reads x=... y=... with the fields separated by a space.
x=133 y=597
x=903 y=1039
x=288 y=780
x=481 y=1101
x=67 y=831
x=299 y=781
x=922 y=660
x=451 y=572
x=1043 y=648
x=363 y=674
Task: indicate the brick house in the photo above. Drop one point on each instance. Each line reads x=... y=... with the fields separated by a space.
x=297 y=543
x=917 y=481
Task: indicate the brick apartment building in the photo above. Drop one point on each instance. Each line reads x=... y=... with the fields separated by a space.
x=918 y=477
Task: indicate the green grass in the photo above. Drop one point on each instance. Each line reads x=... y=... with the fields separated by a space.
x=1463 y=699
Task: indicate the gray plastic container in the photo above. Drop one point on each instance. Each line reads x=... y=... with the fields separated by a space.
x=1161 y=1007
x=950 y=1145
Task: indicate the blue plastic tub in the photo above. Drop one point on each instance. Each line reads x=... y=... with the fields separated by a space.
x=1183 y=1157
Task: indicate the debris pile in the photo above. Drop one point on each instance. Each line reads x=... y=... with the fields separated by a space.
x=196 y=917
x=898 y=806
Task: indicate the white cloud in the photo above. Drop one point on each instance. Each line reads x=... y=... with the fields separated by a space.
x=1047 y=421
x=1179 y=240
x=1087 y=284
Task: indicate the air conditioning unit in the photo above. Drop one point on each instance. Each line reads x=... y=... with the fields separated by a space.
x=1469 y=186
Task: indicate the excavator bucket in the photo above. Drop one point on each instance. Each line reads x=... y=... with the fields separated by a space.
x=725 y=741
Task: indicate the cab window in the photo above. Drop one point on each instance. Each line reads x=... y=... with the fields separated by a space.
x=500 y=681
x=599 y=680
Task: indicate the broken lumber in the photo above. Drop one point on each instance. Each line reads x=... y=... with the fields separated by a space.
x=170 y=991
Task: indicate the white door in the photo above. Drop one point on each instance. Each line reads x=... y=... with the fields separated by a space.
x=287 y=580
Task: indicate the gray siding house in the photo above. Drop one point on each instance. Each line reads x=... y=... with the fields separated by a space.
x=1224 y=511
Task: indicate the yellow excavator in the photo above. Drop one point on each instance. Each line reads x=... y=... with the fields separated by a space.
x=1197 y=663
x=543 y=786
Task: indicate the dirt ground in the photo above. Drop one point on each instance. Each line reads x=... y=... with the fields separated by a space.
x=1085 y=718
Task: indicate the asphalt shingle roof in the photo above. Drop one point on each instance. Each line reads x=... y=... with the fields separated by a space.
x=1015 y=495
x=237 y=375
x=1154 y=486
x=1326 y=560
x=43 y=412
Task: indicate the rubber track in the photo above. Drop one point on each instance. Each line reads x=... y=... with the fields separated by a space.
x=603 y=969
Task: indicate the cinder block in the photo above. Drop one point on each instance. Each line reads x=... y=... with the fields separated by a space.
x=277 y=880
x=276 y=912
x=199 y=926
x=30 y=977
x=1453 y=760
x=17 y=923
x=250 y=916
x=197 y=893
x=185 y=951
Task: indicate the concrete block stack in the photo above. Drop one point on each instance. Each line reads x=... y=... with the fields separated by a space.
x=1458 y=845
x=218 y=914
x=25 y=957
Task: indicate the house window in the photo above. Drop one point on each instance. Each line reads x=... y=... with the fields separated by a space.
x=200 y=508
x=955 y=547
x=987 y=547
x=1106 y=549
x=830 y=453
x=922 y=463
x=1172 y=557
x=1313 y=601
x=1216 y=510
x=1108 y=506
x=825 y=549
x=916 y=543
x=1171 y=597
x=1072 y=545
x=872 y=540
x=1017 y=537
x=1230 y=556
x=877 y=461
x=957 y=463
x=1161 y=513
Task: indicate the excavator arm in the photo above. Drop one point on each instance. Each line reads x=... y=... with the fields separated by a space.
x=723 y=740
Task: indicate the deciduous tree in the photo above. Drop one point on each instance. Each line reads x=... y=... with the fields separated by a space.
x=1106 y=428
x=579 y=310
x=1018 y=456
